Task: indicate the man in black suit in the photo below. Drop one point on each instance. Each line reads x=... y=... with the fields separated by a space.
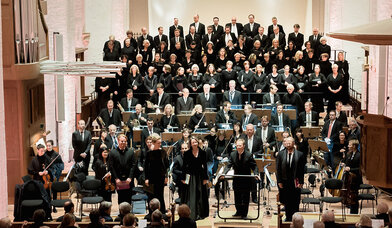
x=178 y=168
x=248 y=117
x=139 y=115
x=264 y=39
x=174 y=27
x=175 y=39
x=340 y=115
x=145 y=36
x=160 y=37
x=296 y=37
x=280 y=118
x=200 y=28
x=308 y=117
x=243 y=163
x=290 y=177
x=233 y=96
x=235 y=27
x=111 y=141
x=210 y=37
x=124 y=163
x=315 y=41
x=253 y=143
x=110 y=115
x=81 y=143
x=251 y=29
x=129 y=102
x=149 y=130
x=216 y=28
x=266 y=133
x=193 y=37
x=273 y=26
x=330 y=134
x=228 y=35
x=160 y=98
x=184 y=103
x=225 y=115
x=207 y=99
x=280 y=37
x=271 y=97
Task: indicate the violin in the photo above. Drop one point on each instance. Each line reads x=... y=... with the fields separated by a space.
x=109 y=186
x=46 y=178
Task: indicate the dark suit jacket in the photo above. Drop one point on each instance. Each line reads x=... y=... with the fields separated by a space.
x=124 y=103
x=116 y=117
x=302 y=119
x=337 y=126
x=282 y=166
x=164 y=101
x=220 y=117
x=282 y=39
x=267 y=98
x=158 y=43
x=145 y=134
x=315 y=42
x=222 y=40
x=211 y=103
x=201 y=30
x=242 y=167
x=173 y=44
x=342 y=118
x=81 y=146
x=239 y=27
x=250 y=33
x=109 y=142
x=181 y=106
x=271 y=139
x=196 y=38
x=214 y=39
x=219 y=31
x=252 y=119
x=298 y=41
x=271 y=29
x=171 y=31
x=264 y=40
x=237 y=100
x=286 y=120
x=140 y=40
x=257 y=146
x=135 y=116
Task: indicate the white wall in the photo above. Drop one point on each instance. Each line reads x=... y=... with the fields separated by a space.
x=102 y=19
x=161 y=13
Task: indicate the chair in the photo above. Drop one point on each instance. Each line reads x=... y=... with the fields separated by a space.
x=306 y=191
x=26 y=178
x=31 y=200
x=89 y=195
x=334 y=184
x=139 y=201
x=367 y=196
x=59 y=187
x=363 y=187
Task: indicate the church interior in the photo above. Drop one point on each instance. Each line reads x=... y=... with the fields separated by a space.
x=150 y=113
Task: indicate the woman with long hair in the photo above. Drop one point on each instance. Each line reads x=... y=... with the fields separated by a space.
x=169 y=121
x=198 y=120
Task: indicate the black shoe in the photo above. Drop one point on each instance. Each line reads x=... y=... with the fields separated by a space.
x=244 y=217
x=236 y=215
x=54 y=210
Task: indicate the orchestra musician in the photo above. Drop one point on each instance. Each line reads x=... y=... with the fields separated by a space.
x=129 y=101
x=37 y=165
x=110 y=115
x=102 y=168
x=178 y=167
x=81 y=142
x=198 y=119
x=169 y=121
x=225 y=115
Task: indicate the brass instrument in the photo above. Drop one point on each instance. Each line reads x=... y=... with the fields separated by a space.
x=120 y=107
x=101 y=121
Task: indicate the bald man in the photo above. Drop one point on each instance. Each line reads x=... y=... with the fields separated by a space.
x=81 y=142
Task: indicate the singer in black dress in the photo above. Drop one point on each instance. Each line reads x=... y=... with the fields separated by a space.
x=195 y=195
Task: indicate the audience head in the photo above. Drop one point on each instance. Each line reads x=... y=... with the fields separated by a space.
x=156 y=217
x=129 y=220
x=68 y=221
x=382 y=208
x=124 y=208
x=298 y=220
x=39 y=216
x=318 y=224
x=154 y=204
x=328 y=216
x=5 y=222
x=69 y=207
x=184 y=211
x=105 y=208
x=95 y=217
x=365 y=221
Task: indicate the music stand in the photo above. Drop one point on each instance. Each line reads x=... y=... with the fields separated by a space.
x=183 y=119
x=262 y=112
x=210 y=117
x=171 y=136
x=137 y=135
x=316 y=145
x=225 y=126
x=155 y=116
x=261 y=162
x=292 y=113
x=238 y=113
x=126 y=116
x=310 y=132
